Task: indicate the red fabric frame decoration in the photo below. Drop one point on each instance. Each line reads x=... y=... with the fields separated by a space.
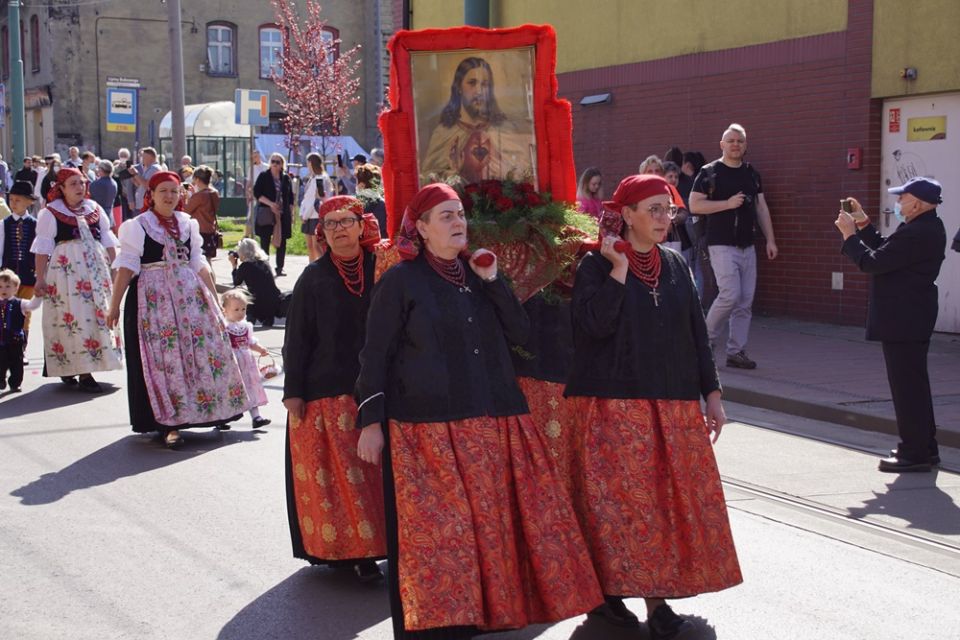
x=553 y=121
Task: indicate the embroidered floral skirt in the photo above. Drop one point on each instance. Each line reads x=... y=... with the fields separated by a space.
x=183 y=373
x=334 y=499
x=486 y=535
x=649 y=498
x=250 y=374
x=76 y=339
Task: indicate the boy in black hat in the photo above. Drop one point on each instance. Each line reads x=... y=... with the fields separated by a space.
x=17 y=232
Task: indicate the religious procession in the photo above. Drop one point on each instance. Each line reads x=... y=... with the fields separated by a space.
x=420 y=372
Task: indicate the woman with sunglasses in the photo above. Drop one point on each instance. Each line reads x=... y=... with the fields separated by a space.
x=647 y=490
x=273 y=192
x=334 y=500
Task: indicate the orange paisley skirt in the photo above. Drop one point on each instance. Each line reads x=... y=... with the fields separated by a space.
x=553 y=415
x=649 y=499
x=336 y=498
x=486 y=535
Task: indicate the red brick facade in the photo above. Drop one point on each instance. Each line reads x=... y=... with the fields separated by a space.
x=803 y=102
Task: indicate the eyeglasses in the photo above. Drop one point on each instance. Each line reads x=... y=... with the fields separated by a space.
x=346 y=223
x=276 y=162
x=660 y=211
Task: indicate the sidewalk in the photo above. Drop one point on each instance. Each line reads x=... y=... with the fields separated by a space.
x=831 y=373
x=817 y=371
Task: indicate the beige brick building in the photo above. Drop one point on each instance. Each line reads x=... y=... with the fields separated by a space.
x=70 y=51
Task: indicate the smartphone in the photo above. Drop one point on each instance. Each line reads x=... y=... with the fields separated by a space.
x=846 y=205
x=339 y=160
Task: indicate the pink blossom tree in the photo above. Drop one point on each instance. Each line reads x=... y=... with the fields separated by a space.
x=320 y=82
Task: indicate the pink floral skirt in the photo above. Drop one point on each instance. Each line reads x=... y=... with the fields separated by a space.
x=251 y=377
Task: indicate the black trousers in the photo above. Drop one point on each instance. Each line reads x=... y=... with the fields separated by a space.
x=11 y=360
x=265 y=234
x=912 y=401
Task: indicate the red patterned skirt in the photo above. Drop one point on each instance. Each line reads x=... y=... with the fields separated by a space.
x=486 y=535
x=553 y=415
x=334 y=499
x=649 y=498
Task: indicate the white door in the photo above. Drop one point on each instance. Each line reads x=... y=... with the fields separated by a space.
x=921 y=137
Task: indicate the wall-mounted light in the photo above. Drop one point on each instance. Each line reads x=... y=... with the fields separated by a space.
x=908 y=73
x=599 y=98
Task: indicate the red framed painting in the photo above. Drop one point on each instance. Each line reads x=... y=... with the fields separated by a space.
x=471 y=104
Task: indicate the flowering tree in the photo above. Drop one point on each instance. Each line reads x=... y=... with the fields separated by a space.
x=319 y=81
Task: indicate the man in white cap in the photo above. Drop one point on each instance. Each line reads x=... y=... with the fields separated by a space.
x=903 y=309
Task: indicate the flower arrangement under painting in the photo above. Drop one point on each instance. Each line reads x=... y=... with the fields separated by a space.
x=537 y=239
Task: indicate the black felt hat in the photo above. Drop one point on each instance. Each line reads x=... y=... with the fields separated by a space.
x=22 y=188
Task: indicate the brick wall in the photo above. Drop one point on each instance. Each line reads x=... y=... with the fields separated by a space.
x=803 y=102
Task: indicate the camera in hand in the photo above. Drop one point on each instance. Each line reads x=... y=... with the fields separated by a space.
x=233 y=254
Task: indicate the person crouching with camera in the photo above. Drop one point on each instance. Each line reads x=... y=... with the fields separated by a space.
x=902 y=310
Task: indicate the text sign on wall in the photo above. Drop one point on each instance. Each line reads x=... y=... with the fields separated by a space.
x=929 y=128
x=252 y=107
x=121 y=109
x=894 y=120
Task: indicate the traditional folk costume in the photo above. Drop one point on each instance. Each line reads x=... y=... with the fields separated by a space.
x=648 y=493
x=17 y=233
x=481 y=534
x=14 y=314
x=181 y=371
x=241 y=339
x=334 y=499
x=76 y=337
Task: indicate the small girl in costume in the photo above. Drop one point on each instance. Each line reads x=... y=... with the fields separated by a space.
x=243 y=341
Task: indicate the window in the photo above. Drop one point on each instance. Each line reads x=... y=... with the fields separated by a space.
x=5 y=43
x=271 y=51
x=34 y=44
x=329 y=35
x=220 y=49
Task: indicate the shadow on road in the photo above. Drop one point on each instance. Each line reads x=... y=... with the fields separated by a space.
x=594 y=629
x=128 y=456
x=315 y=602
x=915 y=498
x=52 y=395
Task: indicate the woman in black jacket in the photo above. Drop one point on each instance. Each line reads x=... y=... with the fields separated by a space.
x=647 y=490
x=480 y=532
x=274 y=195
x=253 y=272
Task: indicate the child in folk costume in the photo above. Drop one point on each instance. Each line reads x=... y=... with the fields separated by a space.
x=17 y=232
x=13 y=315
x=243 y=341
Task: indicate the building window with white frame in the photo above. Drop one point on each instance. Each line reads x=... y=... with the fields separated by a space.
x=221 y=51
x=271 y=52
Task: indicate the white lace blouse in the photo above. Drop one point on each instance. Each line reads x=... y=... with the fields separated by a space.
x=133 y=231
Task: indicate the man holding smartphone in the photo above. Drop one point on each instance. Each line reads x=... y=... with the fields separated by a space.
x=902 y=311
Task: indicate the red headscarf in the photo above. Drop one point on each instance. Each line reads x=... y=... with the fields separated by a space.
x=408 y=239
x=56 y=193
x=630 y=191
x=156 y=179
x=369 y=236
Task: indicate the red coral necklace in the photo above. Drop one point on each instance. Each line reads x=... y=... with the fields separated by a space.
x=646 y=267
x=450 y=270
x=351 y=272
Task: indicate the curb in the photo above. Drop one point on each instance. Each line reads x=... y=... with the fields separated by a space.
x=826 y=413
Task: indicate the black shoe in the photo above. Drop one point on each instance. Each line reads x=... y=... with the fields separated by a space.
x=616 y=613
x=934 y=459
x=68 y=380
x=14 y=389
x=894 y=464
x=260 y=422
x=223 y=426
x=664 y=624
x=88 y=384
x=172 y=440
x=368 y=571
x=281 y=273
x=739 y=360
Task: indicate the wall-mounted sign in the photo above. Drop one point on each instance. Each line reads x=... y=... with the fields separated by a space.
x=894 y=120
x=121 y=110
x=929 y=128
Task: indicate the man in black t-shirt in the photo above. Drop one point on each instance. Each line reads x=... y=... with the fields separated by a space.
x=729 y=192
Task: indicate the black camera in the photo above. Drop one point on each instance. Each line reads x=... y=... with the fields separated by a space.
x=233 y=254
x=747 y=200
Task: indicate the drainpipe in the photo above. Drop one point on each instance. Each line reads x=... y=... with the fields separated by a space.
x=476 y=13
x=18 y=124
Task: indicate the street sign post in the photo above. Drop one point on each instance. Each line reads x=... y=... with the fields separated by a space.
x=252 y=108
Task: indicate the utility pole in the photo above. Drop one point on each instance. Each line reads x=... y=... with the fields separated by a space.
x=476 y=13
x=176 y=85
x=17 y=118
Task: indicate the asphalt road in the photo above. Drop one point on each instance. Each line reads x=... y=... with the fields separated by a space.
x=104 y=534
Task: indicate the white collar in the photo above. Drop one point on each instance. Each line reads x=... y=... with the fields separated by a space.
x=88 y=207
